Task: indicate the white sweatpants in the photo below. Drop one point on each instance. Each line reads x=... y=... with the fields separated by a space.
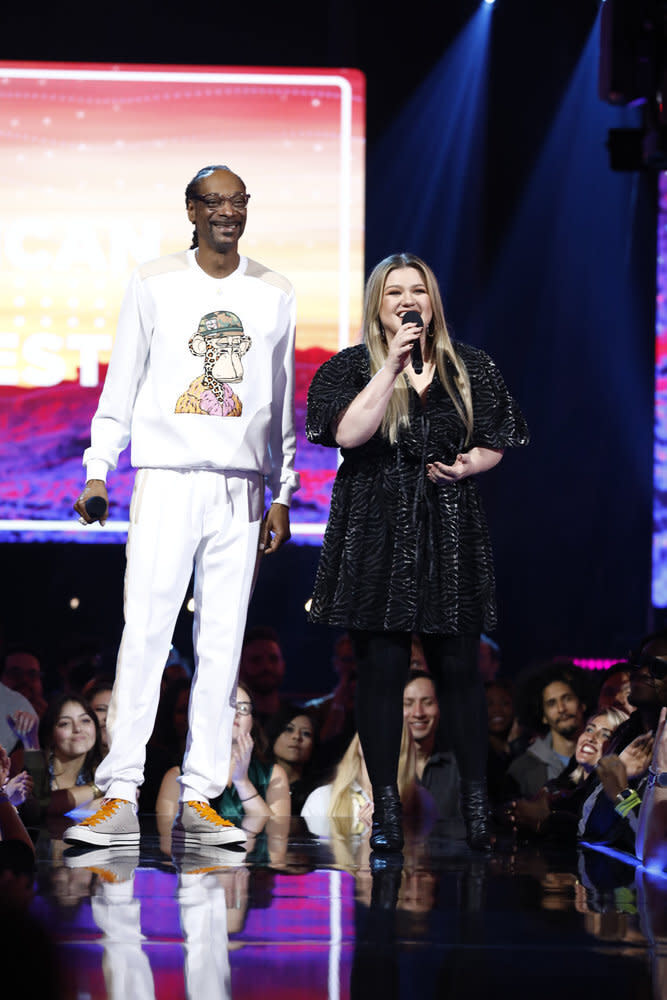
x=178 y=518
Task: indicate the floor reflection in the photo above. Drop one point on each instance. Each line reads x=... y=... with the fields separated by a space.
x=306 y=917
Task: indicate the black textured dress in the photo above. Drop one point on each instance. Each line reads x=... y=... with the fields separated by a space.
x=401 y=553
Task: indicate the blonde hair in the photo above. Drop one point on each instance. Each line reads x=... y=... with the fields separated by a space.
x=616 y=716
x=455 y=382
x=341 y=803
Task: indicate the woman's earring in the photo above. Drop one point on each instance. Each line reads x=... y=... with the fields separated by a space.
x=383 y=335
x=429 y=330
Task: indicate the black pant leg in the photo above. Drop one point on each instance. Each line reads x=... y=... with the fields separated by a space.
x=383 y=662
x=453 y=662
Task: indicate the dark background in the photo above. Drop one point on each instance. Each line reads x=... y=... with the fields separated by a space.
x=549 y=265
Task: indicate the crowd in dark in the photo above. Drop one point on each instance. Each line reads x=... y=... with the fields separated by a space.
x=573 y=754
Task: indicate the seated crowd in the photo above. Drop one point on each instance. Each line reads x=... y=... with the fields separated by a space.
x=573 y=755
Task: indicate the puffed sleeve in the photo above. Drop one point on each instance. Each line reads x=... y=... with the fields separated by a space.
x=334 y=386
x=498 y=421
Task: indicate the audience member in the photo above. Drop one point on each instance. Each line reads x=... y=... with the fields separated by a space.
x=610 y=813
x=651 y=842
x=344 y=807
x=348 y=799
x=417 y=655
x=262 y=670
x=334 y=712
x=63 y=769
x=615 y=688
x=22 y=673
x=292 y=734
x=256 y=787
x=507 y=738
x=555 y=810
x=11 y=825
x=435 y=770
x=560 y=709
x=97 y=693
x=488 y=658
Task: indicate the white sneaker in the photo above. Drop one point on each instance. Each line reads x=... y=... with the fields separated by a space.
x=196 y=823
x=200 y=860
x=114 y=824
x=108 y=863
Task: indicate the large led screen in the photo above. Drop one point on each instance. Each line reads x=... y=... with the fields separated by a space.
x=95 y=160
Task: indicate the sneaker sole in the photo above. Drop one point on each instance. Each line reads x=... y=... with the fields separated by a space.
x=189 y=839
x=86 y=857
x=94 y=839
x=204 y=858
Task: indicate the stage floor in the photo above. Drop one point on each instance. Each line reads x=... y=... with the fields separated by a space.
x=301 y=917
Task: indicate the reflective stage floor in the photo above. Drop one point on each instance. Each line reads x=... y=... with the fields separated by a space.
x=307 y=917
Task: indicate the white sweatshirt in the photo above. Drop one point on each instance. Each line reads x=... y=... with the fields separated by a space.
x=201 y=374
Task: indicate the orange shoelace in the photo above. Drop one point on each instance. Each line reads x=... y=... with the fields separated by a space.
x=106 y=810
x=104 y=874
x=205 y=812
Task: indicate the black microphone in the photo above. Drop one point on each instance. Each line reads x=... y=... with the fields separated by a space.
x=412 y=316
x=96 y=507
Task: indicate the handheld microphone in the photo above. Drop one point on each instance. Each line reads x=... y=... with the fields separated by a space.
x=412 y=316
x=96 y=507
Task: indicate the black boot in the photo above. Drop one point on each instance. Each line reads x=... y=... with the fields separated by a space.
x=475 y=809
x=387 y=831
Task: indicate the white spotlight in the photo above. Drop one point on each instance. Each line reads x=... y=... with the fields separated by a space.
x=489 y=1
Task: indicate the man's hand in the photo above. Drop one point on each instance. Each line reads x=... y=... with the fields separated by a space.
x=275 y=528
x=613 y=775
x=93 y=488
x=660 y=745
x=25 y=726
x=637 y=755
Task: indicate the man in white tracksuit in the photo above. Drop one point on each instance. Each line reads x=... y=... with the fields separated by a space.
x=201 y=380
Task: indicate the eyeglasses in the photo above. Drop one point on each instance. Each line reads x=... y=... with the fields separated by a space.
x=243 y=708
x=655 y=666
x=215 y=201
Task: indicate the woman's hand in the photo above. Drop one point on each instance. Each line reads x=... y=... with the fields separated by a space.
x=442 y=474
x=637 y=755
x=399 y=347
x=241 y=753
x=468 y=463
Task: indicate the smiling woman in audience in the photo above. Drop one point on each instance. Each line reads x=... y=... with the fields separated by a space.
x=555 y=809
x=63 y=769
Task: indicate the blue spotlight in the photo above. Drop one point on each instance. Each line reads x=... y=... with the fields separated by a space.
x=489 y=2
x=435 y=150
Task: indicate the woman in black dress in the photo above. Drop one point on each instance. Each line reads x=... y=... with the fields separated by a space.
x=407 y=548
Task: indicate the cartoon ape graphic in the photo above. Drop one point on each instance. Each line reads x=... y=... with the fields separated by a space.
x=222 y=343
